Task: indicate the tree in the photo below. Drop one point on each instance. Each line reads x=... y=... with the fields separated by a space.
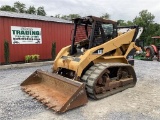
x=20 y=7
x=123 y=23
x=105 y=16
x=145 y=20
x=130 y=23
x=70 y=16
x=157 y=29
x=31 y=10
x=6 y=51
x=64 y=17
x=7 y=8
x=53 y=50
x=41 y=11
x=57 y=16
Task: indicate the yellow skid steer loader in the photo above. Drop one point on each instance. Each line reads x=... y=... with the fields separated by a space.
x=98 y=63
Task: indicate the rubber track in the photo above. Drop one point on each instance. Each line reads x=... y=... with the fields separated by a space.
x=93 y=73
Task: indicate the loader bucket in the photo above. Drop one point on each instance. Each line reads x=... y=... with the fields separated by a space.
x=56 y=92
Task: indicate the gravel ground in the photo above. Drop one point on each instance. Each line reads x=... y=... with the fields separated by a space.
x=139 y=103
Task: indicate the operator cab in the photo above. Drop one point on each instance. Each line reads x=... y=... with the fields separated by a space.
x=90 y=32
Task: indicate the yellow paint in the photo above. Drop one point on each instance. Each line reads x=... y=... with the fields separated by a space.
x=124 y=40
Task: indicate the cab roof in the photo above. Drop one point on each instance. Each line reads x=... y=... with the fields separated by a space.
x=91 y=19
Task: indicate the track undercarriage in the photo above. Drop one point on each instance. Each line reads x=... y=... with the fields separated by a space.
x=104 y=79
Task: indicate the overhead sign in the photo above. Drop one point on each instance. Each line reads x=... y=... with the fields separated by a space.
x=26 y=35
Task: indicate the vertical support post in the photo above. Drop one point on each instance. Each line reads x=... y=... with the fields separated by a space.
x=92 y=35
x=73 y=39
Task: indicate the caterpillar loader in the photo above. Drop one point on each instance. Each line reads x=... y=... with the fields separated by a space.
x=97 y=64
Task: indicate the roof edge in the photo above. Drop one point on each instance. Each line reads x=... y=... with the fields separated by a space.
x=32 y=17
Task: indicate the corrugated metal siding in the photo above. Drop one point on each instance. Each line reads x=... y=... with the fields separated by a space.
x=1 y=40
x=51 y=32
x=81 y=33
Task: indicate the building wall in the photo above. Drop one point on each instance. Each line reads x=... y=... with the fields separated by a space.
x=51 y=32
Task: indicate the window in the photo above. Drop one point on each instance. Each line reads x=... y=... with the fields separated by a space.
x=108 y=29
